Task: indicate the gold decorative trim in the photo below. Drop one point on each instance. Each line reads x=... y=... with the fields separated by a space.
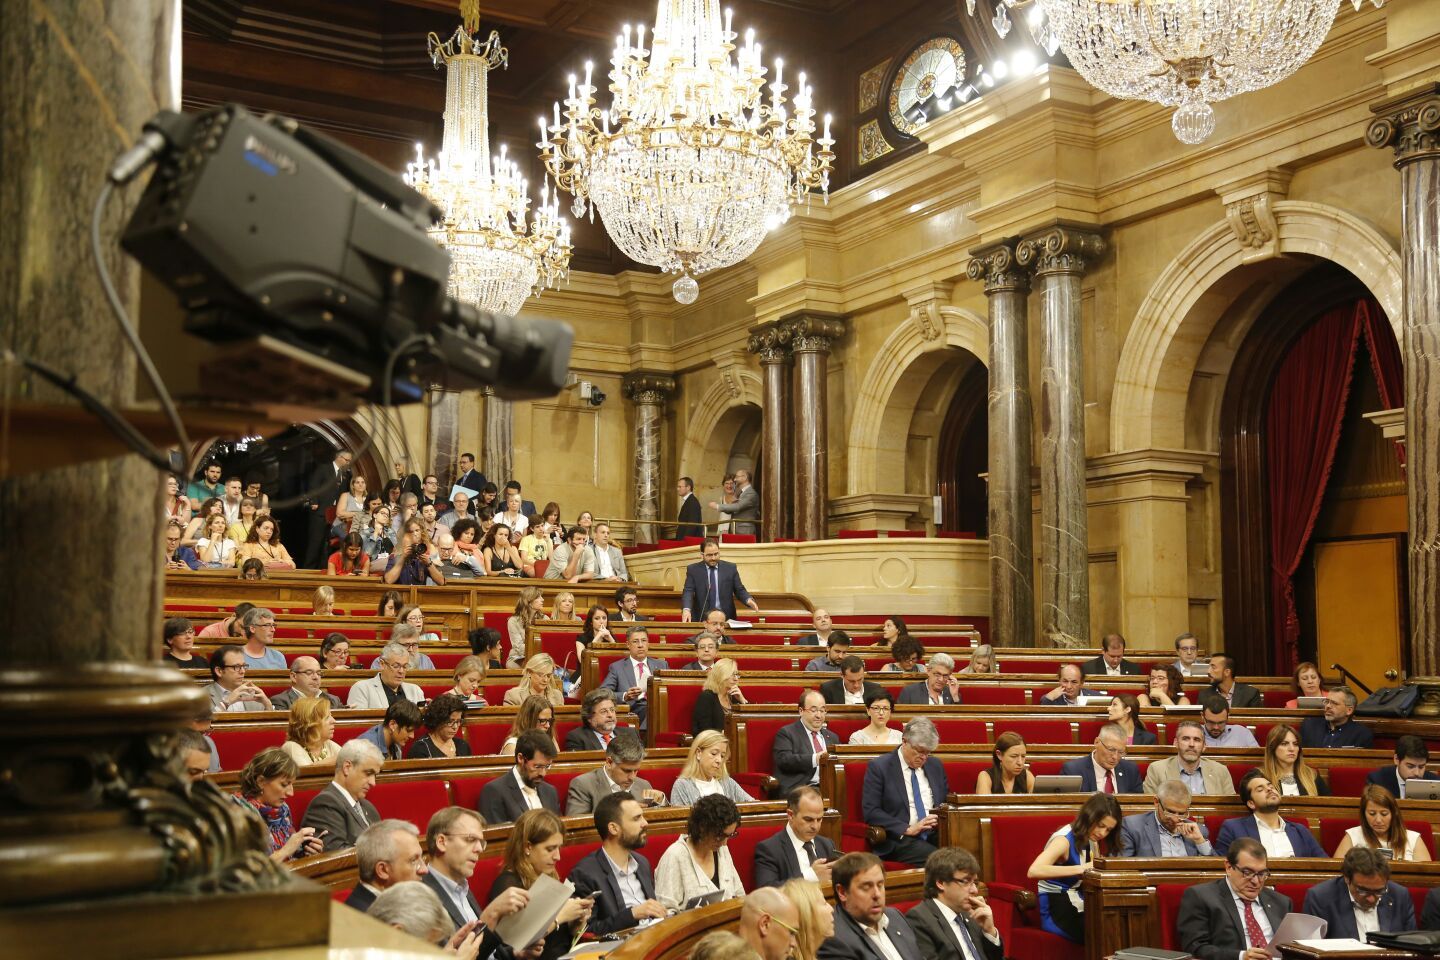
x=871 y=143
x=868 y=97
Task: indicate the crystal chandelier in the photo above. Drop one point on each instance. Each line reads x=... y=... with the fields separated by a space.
x=496 y=261
x=1180 y=53
x=690 y=165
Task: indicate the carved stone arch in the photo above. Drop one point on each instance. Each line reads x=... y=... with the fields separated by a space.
x=1192 y=293
x=714 y=422
x=911 y=354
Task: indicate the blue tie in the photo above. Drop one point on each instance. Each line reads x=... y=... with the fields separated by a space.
x=970 y=952
x=920 y=811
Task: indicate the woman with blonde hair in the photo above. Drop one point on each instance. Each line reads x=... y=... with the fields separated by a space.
x=1285 y=767
x=533 y=851
x=563 y=610
x=215 y=548
x=310 y=736
x=982 y=661
x=718 y=697
x=469 y=674
x=1382 y=827
x=322 y=601
x=536 y=713
x=539 y=680
x=817 y=919
x=705 y=774
x=529 y=610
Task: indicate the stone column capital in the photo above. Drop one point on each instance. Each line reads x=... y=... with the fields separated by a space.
x=1059 y=249
x=643 y=386
x=997 y=266
x=812 y=332
x=1410 y=123
x=770 y=343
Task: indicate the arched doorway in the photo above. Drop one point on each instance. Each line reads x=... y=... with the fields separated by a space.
x=964 y=455
x=1291 y=427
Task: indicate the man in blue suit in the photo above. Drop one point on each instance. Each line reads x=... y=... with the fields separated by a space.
x=617 y=875
x=630 y=677
x=1260 y=795
x=1106 y=770
x=713 y=584
x=1363 y=894
x=1411 y=756
x=1167 y=831
x=902 y=790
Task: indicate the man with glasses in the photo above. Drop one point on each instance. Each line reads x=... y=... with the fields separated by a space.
x=408 y=636
x=1235 y=916
x=503 y=799
x=388 y=684
x=769 y=924
x=305 y=675
x=954 y=920
x=258 y=629
x=1105 y=770
x=800 y=747
x=630 y=677
x=938 y=689
x=1187 y=657
x=620 y=774
x=1338 y=728
x=387 y=853
x=1362 y=900
x=865 y=928
x=617 y=875
x=597 y=722
x=397 y=729
x=901 y=791
x=455 y=839
x=1278 y=836
x=1166 y=831
x=230 y=692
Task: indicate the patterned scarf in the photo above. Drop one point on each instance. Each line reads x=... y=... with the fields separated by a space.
x=277 y=820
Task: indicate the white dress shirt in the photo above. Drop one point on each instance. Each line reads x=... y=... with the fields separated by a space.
x=532 y=797
x=354 y=804
x=881 y=940
x=1366 y=921
x=1100 y=776
x=950 y=916
x=856 y=697
x=1260 y=917
x=604 y=569
x=1276 y=842
x=800 y=854
x=927 y=796
x=814 y=753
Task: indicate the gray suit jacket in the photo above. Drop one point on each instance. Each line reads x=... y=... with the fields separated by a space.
x=283 y=701
x=745 y=508
x=331 y=812
x=217 y=699
x=851 y=943
x=1140 y=837
x=1209 y=925
x=588 y=789
x=938 y=939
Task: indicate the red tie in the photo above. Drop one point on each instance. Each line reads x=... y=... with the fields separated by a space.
x=815 y=738
x=640 y=672
x=1252 y=926
x=1109 y=782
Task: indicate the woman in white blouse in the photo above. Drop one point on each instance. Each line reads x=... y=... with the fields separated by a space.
x=699 y=861
x=215 y=548
x=1383 y=828
x=310 y=739
x=877 y=731
x=704 y=773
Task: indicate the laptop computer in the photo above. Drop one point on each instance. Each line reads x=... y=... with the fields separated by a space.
x=1310 y=703
x=1417 y=789
x=1057 y=783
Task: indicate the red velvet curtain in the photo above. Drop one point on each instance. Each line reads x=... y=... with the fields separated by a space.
x=1384 y=358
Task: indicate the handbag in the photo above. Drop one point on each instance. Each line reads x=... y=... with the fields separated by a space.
x=1389 y=702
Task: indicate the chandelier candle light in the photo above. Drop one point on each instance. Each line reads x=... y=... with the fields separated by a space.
x=496 y=260
x=690 y=165
x=1185 y=54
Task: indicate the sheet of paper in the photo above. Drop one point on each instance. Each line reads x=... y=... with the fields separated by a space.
x=1296 y=927
x=547 y=897
x=1344 y=945
x=472 y=494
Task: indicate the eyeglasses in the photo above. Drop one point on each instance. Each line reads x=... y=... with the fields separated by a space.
x=1174 y=813
x=265 y=623
x=469 y=839
x=234 y=666
x=729 y=835
x=397 y=667
x=452 y=722
x=1371 y=892
x=1112 y=750
x=782 y=923
x=306 y=673
x=963 y=881
x=1249 y=874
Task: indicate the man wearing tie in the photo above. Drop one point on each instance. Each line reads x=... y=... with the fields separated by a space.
x=630 y=677
x=322 y=491
x=712 y=584
x=1236 y=915
x=340 y=812
x=597 y=722
x=469 y=477
x=800 y=747
x=1105 y=769
x=798 y=851
x=621 y=774
x=901 y=792
x=954 y=921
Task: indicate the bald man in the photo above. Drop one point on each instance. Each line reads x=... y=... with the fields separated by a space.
x=304 y=683
x=766 y=919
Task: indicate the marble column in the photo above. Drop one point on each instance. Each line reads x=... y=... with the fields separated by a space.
x=810 y=336
x=1410 y=124
x=771 y=345
x=648 y=391
x=95 y=818
x=1012 y=590
x=1058 y=257
x=444 y=437
x=497 y=463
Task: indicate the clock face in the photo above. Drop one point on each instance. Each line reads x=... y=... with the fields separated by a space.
x=924 y=81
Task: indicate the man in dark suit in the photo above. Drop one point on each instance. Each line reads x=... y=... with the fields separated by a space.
x=1222 y=682
x=322 y=491
x=800 y=747
x=824 y=625
x=304 y=683
x=527 y=507
x=860 y=889
x=387 y=853
x=617 y=875
x=1166 y=831
x=745 y=511
x=691 y=524
x=340 y=812
x=851 y=686
x=455 y=838
x=1411 y=756
x=503 y=799
x=1338 y=728
x=1363 y=893
x=937 y=688
x=597 y=722
x=954 y=922
x=620 y=774
x=902 y=790
x=1430 y=912
x=627 y=607
x=1070 y=689
x=1263 y=800
x=799 y=850
x=1112 y=660
x=1218 y=921
x=630 y=677
x=469 y=477
x=1105 y=769
x=712 y=584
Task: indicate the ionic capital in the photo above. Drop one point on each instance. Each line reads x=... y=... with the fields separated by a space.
x=645 y=387
x=998 y=267
x=1410 y=123
x=771 y=344
x=1059 y=249
x=812 y=332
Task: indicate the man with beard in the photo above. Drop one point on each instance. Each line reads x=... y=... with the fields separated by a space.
x=503 y=799
x=1278 y=836
x=619 y=878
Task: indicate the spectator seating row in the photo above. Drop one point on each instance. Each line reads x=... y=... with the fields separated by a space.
x=449 y=626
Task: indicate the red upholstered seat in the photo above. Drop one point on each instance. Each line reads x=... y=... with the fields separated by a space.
x=680 y=708
x=446 y=661
x=349 y=731
x=1275 y=698
x=1168 y=897
x=759 y=738
x=1347 y=781
x=465 y=792
x=560 y=646
x=1016 y=842
x=849 y=805
x=1038 y=731
x=496 y=620
x=662 y=778
x=724 y=538
x=1047 y=768
x=955 y=732
x=844 y=727
x=541 y=566
x=413 y=800
x=433 y=690
x=742 y=851
x=236 y=747
x=668 y=544
x=299 y=803
x=905 y=534
x=1239 y=769
x=486 y=736
x=489 y=866
x=962 y=776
